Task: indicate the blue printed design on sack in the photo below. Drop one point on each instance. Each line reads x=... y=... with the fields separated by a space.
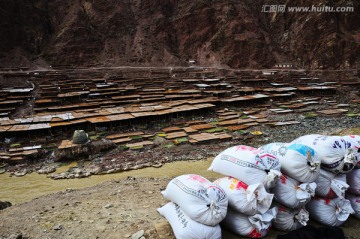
x=302 y=149
x=346 y=144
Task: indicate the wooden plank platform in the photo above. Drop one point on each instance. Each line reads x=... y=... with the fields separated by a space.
x=203 y=137
x=189 y=130
x=333 y=111
x=223 y=136
x=238 y=127
x=228 y=117
x=121 y=140
x=123 y=135
x=281 y=111
x=65 y=144
x=171 y=129
x=140 y=144
x=284 y=123
x=175 y=135
x=202 y=126
x=235 y=122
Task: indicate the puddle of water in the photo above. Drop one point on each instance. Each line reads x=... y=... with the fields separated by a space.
x=66 y=167
x=22 y=189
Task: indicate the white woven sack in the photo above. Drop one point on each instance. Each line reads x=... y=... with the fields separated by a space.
x=355 y=203
x=202 y=200
x=355 y=144
x=288 y=219
x=298 y=161
x=277 y=149
x=186 y=228
x=248 y=164
x=247 y=199
x=331 y=185
x=291 y=193
x=256 y=226
x=329 y=212
x=336 y=153
x=353 y=179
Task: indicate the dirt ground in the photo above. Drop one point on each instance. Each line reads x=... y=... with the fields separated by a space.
x=122 y=207
x=114 y=209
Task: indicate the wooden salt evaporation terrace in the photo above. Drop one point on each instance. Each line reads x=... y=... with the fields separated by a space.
x=71 y=98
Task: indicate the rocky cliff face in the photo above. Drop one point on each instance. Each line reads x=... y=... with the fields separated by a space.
x=168 y=32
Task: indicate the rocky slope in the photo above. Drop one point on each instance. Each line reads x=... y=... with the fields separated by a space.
x=167 y=32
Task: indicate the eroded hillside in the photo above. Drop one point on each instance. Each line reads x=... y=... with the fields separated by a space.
x=167 y=32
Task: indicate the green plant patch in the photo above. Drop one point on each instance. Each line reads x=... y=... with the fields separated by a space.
x=169 y=145
x=352 y=114
x=241 y=132
x=50 y=147
x=213 y=130
x=137 y=147
x=227 y=130
x=91 y=133
x=123 y=147
x=309 y=115
x=136 y=137
x=94 y=137
x=214 y=122
x=182 y=139
x=243 y=117
x=15 y=145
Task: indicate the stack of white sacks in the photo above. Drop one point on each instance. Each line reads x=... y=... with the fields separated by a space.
x=249 y=172
x=329 y=207
x=353 y=178
x=197 y=207
x=306 y=178
x=323 y=173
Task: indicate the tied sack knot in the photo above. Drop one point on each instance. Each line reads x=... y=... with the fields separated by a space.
x=271 y=178
x=302 y=217
x=215 y=210
x=343 y=210
x=313 y=165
